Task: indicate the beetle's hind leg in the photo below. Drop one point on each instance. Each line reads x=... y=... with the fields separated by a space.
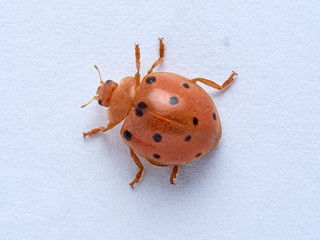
x=174 y=174
x=99 y=129
x=161 y=55
x=140 y=166
x=215 y=85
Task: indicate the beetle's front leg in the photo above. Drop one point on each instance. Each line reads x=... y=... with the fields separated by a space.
x=99 y=129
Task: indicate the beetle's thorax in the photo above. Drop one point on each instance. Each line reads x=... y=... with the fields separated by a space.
x=122 y=100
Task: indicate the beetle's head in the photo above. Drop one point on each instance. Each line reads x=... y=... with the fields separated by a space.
x=104 y=92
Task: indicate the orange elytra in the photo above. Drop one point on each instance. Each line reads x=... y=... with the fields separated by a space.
x=168 y=119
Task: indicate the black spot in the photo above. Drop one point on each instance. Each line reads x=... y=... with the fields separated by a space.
x=187 y=139
x=195 y=121
x=127 y=135
x=151 y=80
x=186 y=85
x=108 y=81
x=156 y=155
x=139 y=113
x=142 y=105
x=99 y=101
x=198 y=155
x=173 y=100
x=214 y=116
x=157 y=137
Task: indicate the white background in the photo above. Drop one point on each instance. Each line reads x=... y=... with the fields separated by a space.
x=262 y=182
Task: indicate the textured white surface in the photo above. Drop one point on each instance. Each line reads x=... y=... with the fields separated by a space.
x=261 y=183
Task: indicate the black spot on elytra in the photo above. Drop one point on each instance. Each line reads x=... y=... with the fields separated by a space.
x=139 y=113
x=157 y=137
x=198 y=155
x=187 y=139
x=186 y=85
x=214 y=116
x=156 y=156
x=142 y=105
x=99 y=101
x=151 y=80
x=173 y=100
x=127 y=135
x=108 y=81
x=195 y=121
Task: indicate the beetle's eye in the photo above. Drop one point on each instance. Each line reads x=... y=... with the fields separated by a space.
x=99 y=101
x=108 y=81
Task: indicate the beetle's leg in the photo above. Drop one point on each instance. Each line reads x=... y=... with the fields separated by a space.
x=215 y=85
x=174 y=174
x=99 y=129
x=137 y=76
x=161 y=53
x=139 y=174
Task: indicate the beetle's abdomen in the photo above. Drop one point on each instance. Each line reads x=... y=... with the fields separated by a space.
x=173 y=121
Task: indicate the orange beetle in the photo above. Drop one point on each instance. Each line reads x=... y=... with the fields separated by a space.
x=169 y=119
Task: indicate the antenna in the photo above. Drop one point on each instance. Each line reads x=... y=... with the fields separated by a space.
x=99 y=74
x=94 y=98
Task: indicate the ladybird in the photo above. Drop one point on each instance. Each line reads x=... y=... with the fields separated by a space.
x=168 y=119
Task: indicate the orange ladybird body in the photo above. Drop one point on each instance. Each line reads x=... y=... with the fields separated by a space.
x=168 y=119
x=173 y=121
